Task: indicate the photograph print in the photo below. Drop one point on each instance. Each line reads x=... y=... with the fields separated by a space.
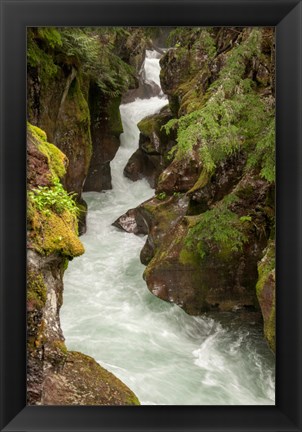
x=151 y=216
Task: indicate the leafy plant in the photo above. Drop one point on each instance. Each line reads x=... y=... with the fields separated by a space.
x=42 y=43
x=218 y=226
x=54 y=198
x=161 y=196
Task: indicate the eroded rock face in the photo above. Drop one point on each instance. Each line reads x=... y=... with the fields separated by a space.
x=171 y=277
x=60 y=108
x=208 y=190
x=180 y=175
x=266 y=293
x=106 y=127
x=46 y=350
x=37 y=165
x=154 y=217
x=72 y=134
x=222 y=281
x=150 y=159
x=133 y=222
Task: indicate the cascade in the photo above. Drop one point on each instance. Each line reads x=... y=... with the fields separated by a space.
x=164 y=355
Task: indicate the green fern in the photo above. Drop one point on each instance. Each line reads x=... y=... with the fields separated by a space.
x=219 y=227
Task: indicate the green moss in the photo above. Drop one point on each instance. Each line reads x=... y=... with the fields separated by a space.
x=57 y=161
x=36 y=289
x=201 y=182
x=95 y=384
x=266 y=266
x=115 y=121
x=76 y=94
x=265 y=290
x=161 y=196
x=147 y=125
x=270 y=328
x=190 y=95
x=53 y=233
x=188 y=257
x=38 y=133
x=60 y=345
x=76 y=117
x=52 y=214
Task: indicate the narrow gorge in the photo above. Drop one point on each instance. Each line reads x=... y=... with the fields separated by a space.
x=162 y=159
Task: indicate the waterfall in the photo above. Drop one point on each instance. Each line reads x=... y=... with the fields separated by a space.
x=164 y=355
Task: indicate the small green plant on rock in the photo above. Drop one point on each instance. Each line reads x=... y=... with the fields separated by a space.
x=54 y=198
x=161 y=196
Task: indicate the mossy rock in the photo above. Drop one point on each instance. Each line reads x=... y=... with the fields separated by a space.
x=50 y=232
x=36 y=290
x=72 y=134
x=173 y=274
x=266 y=293
x=82 y=381
x=53 y=233
x=114 y=116
x=57 y=160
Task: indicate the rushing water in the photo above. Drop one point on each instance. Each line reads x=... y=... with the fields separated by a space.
x=164 y=355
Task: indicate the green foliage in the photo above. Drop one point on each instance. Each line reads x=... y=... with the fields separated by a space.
x=36 y=289
x=41 y=44
x=195 y=38
x=220 y=227
x=161 y=196
x=264 y=153
x=245 y=219
x=53 y=199
x=78 y=44
x=234 y=116
x=91 y=50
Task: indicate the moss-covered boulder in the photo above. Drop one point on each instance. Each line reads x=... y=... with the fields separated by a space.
x=223 y=280
x=266 y=293
x=208 y=262
x=52 y=214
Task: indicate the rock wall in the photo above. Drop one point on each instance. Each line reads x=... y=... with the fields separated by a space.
x=106 y=127
x=150 y=159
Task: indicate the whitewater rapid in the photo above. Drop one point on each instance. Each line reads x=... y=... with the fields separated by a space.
x=164 y=355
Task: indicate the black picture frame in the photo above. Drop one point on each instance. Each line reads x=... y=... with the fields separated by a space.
x=16 y=15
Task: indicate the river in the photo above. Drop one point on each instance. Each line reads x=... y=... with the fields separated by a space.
x=164 y=355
